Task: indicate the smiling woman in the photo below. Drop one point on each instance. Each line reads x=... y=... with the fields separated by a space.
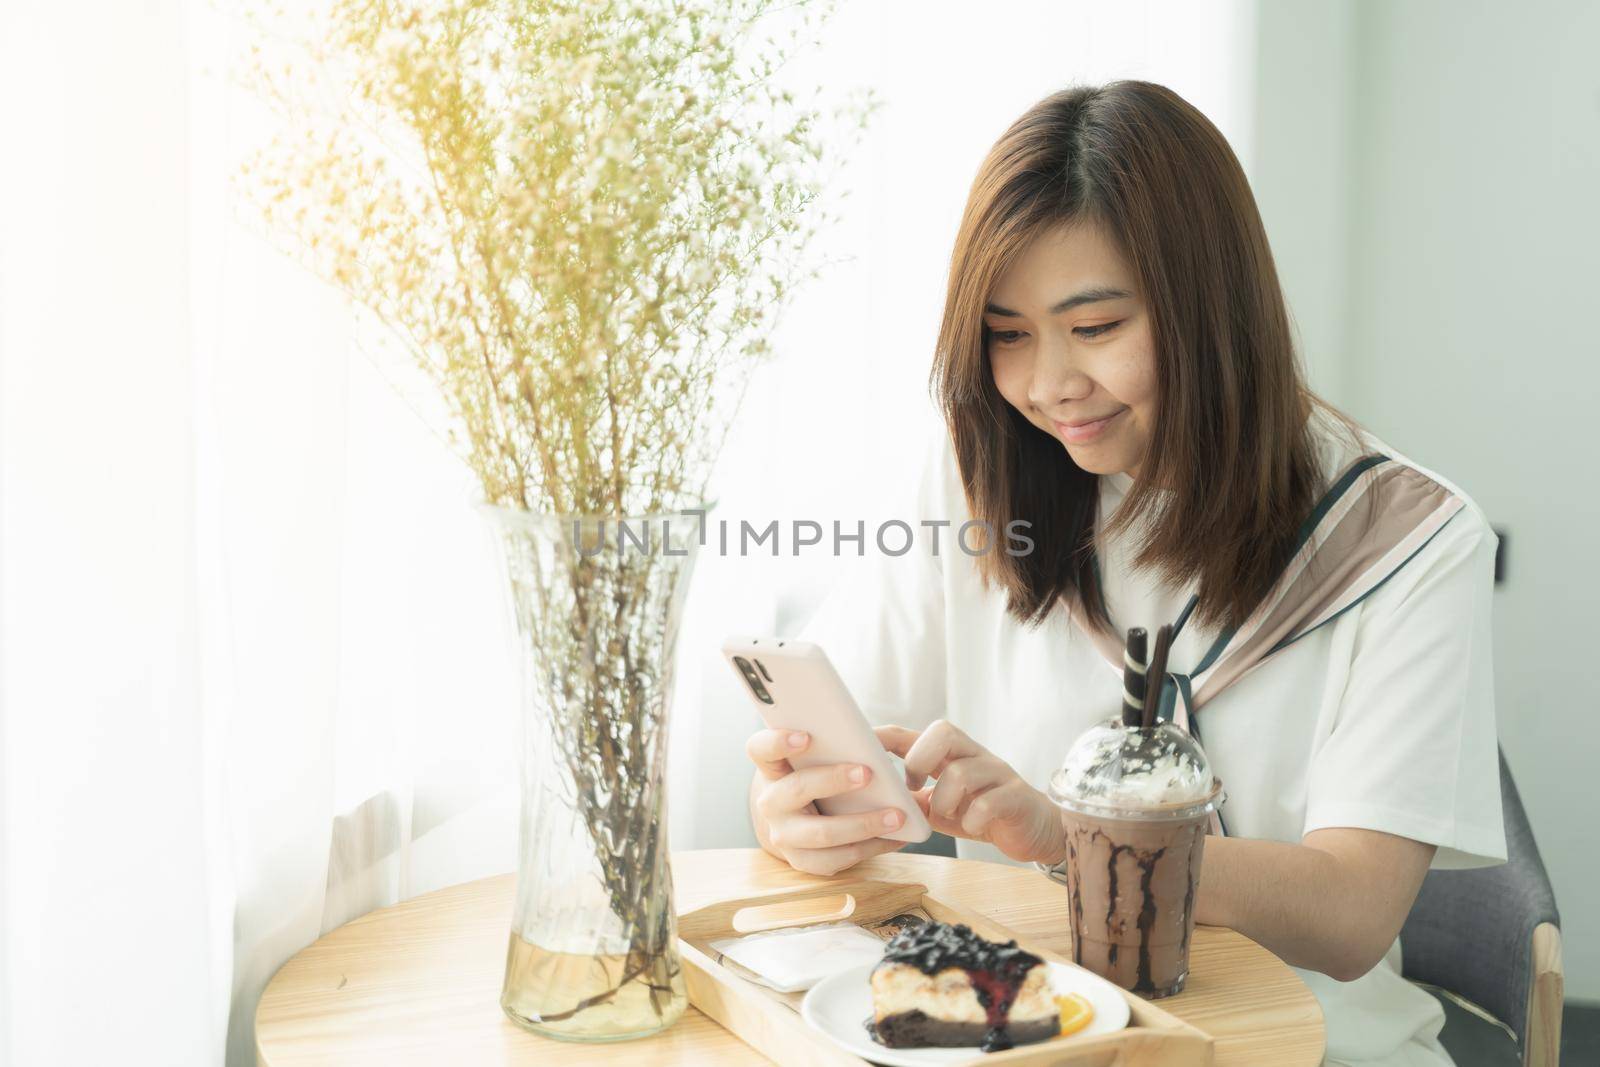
x=1116 y=369
x=1076 y=368
x=1105 y=226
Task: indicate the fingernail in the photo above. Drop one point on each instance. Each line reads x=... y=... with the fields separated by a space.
x=858 y=775
x=797 y=740
x=891 y=819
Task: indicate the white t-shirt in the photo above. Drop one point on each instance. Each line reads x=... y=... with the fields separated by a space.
x=1382 y=719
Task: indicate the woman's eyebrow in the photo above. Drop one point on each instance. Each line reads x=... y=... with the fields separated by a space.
x=1088 y=296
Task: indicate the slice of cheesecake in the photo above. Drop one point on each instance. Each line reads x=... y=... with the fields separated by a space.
x=944 y=985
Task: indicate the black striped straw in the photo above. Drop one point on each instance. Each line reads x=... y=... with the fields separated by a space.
x=1156 y=677
x=1133 y=678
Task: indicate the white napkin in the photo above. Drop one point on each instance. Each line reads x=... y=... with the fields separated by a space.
x=799 y=957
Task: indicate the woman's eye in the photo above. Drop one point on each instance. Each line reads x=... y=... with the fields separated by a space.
x=1096 y=331
x=1005 y=337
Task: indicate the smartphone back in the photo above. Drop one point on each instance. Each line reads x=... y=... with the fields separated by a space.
x=795 y=687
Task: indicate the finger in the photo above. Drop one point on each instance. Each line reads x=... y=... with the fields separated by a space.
x=897 y=739
x=999 y=805
x=770 y=750
x=938 y=745
x=830 y=861
x=963 y=779
x=943 y=826
x=825 y=831
x=798 y=788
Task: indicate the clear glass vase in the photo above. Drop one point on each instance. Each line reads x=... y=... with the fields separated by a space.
x=597 y=601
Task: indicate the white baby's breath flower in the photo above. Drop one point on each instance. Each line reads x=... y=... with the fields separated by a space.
x=539 y=218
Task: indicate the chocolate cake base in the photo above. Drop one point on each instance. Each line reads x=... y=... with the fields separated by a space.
x=913 y=1029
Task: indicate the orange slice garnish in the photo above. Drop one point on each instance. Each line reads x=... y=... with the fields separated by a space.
x=1076 y=1013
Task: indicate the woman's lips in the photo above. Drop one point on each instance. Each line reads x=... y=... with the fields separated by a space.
x=1077 y=433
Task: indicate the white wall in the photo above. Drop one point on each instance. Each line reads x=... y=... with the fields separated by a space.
x=1429 y=172
x=1300 y=170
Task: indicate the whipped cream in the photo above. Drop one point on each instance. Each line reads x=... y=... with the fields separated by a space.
x=1116 y=766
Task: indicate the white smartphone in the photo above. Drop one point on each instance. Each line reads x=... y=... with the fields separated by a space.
x=794 y=687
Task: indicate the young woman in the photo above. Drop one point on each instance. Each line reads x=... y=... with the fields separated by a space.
x=1116 y=368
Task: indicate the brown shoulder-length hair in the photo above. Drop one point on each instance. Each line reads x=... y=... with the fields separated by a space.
x=1230 y=436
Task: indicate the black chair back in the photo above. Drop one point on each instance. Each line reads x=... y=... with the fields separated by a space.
x=1471 y=932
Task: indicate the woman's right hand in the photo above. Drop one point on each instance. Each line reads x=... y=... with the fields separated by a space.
x=784 y=810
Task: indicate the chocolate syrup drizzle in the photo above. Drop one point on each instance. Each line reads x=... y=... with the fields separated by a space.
x=996 y=970
x=1146 y=862
x=1147 y=913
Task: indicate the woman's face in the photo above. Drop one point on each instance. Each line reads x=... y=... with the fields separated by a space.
x=1070 y=347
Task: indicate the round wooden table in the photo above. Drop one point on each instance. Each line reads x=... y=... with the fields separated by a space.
x=419 y=982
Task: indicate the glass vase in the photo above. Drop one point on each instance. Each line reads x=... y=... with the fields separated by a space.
x=593 y=953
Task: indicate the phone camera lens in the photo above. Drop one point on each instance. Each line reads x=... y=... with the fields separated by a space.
x=753 y=680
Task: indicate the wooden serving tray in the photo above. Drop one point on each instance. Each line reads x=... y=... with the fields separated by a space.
x=770 y=1021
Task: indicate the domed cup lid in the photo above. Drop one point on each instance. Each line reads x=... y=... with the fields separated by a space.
x=1157 y=773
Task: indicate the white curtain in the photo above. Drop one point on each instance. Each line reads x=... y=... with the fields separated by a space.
x=253 y=679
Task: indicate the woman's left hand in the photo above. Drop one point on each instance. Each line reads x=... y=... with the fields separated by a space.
x=975 y=794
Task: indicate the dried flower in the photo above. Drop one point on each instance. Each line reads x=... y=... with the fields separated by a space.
x=548 y=203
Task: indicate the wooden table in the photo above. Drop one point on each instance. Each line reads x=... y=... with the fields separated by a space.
x=419 y=982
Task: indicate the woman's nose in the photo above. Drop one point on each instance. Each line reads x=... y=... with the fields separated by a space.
x=1056 y=378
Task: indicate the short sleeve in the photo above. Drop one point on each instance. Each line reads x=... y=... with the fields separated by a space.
x=882 y=622
x=1413 y=750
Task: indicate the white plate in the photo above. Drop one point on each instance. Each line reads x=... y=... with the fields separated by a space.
x=840 y=1004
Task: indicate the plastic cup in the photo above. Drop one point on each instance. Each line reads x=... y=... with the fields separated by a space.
x=1131 y=883
x=1136 y=805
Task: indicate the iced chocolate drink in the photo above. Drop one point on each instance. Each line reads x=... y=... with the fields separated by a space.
x=1136 y=804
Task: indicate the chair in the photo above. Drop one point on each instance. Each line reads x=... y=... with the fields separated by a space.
x=937 y=844
x=1492 y=938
